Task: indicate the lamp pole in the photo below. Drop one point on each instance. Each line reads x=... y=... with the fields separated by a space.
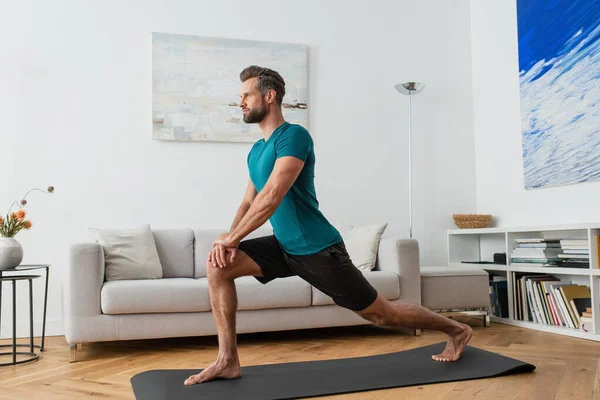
x=409 y=89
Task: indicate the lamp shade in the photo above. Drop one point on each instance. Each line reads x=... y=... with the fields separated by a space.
x=410 y=88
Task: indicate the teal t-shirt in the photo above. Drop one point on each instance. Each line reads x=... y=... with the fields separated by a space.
x=297 y=223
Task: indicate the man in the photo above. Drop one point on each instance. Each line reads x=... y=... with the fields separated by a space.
x=281 y=190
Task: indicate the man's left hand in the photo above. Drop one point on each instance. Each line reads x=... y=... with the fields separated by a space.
x=227 y=242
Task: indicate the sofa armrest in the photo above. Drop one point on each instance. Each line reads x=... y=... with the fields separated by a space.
x=401 y=256
x=82 y=285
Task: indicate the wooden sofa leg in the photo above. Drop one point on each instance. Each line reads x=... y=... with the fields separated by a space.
x=417 y=332
x=73 y=351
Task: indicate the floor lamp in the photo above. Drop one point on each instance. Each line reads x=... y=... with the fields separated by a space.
x=409 y=89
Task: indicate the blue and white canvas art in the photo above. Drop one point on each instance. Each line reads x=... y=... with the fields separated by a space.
x=196 y=86
x=559 y=68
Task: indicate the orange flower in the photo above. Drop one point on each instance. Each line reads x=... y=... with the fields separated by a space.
x=20 y=215
x=27 y=224
x=1 y=220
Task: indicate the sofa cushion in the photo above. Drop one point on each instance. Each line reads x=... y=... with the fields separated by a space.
x=165 y=295
x=387 y=285
x=176 y=252
x=204 y=239
x=129 y=253
x=362 y=244
x=279 y=293
x=447 y=288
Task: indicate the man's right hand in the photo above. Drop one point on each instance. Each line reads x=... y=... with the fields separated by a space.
x=218 y=255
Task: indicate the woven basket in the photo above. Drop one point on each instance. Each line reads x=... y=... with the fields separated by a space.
x=470 y=221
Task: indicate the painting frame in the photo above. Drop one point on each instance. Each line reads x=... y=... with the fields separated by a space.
x=559 y=52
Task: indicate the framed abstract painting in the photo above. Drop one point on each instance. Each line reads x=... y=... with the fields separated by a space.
x=196 y=86
x=559 y=74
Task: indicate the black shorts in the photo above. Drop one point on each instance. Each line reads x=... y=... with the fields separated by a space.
x=331 y=270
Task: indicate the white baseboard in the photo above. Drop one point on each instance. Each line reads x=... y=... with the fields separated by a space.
x=53 y=328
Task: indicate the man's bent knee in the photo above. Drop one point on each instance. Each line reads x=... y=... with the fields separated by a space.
x=216 y=273
x=376 y=318
x=376 y=312
x=243 y=265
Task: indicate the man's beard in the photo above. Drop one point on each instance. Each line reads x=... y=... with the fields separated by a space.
x=256 y=115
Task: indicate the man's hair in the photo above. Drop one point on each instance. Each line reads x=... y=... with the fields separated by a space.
x=267 y=79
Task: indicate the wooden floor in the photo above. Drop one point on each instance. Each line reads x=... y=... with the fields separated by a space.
x=567 y=368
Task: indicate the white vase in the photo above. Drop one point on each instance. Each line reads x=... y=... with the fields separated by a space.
x=11 y=253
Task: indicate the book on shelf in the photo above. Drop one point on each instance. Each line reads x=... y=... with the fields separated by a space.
x=538 y=245
x=498 y=290
x=575 y=243
x=536 y=240
x=545 y=299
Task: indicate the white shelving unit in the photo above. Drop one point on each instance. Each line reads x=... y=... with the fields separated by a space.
x=481 y=244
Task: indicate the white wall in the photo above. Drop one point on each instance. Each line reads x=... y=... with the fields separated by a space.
x=78 y=87
x=497 y=127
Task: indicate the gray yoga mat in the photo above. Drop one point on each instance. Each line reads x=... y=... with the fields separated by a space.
x=328 y=377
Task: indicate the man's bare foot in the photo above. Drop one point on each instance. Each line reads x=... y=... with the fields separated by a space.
x=217 y=370
x=455 y=346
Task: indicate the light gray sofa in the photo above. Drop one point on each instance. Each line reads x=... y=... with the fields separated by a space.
x=178 y=305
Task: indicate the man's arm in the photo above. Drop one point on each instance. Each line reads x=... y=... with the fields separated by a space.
x=249 y=197
x=284 y=174
x=218 y=253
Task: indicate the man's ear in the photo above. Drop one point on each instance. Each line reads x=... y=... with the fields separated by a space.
x=271 y=96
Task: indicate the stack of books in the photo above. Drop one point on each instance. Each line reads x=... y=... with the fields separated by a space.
x=564 y=253
x=575 y=253
x=536 y=251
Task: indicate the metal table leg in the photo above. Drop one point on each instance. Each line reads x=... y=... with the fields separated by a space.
x=45 y=306
x=31 y=315
x=1 y=304
x=14 y=285
x=14 y=345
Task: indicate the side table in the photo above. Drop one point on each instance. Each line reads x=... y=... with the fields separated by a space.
x=27 y=267
x=14 y=345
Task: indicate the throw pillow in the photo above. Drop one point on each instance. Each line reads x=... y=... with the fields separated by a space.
x=129 y=253
x=362 y=243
